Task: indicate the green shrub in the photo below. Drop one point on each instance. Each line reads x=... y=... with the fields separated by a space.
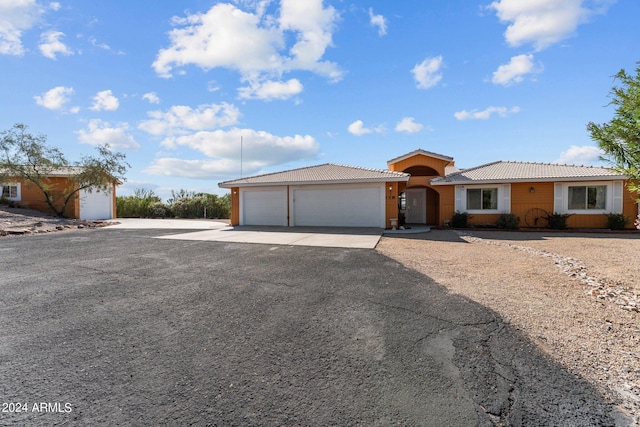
x=460 y=219
x=182 y=204
x=158 y=210
x=508 y=221
x=558 y=221
x=616 y=221
x=136 y=206
x=186 y=204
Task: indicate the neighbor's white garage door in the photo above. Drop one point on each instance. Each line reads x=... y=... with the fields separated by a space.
x=96 y=205
x=265 y=206
x=339 y=206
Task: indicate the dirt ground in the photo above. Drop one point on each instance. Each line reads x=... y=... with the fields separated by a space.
x=574 y=294
x=18 y=221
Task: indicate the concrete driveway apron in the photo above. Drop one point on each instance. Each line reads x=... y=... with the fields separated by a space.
x=219 y=231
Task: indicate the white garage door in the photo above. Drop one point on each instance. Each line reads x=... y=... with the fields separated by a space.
x=264 y=206
x=339 y=206
x=96 y=205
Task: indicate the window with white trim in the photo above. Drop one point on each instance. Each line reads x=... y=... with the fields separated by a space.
x=482 y=199
x=587 y=197
x=11 y=191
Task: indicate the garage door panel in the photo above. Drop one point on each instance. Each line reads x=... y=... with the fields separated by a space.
x=96 y=205
x=264 y=207
x=343 y=207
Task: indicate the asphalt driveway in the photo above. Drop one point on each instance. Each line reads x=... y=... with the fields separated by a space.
x=116 y=327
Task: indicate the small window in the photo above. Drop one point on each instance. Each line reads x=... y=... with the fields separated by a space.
x=588 y=197
x=482 y=199
x=9 y=191
x=402 y=204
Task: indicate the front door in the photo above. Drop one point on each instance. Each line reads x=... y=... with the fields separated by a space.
x=416 y=209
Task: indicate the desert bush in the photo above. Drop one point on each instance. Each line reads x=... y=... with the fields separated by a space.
x=136 y=206
x=158 y=210
x=460 y=219
x=558 y=221
x=186 y=204
x=616 y=221
x=508 y=221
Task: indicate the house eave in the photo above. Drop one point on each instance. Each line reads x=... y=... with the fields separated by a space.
x=235 y=184
x=418 y=152
x=545 y=179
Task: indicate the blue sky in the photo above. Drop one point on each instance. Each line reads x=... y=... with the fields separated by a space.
x=177 y=85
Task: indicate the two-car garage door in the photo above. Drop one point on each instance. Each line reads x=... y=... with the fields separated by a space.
x=347 y=205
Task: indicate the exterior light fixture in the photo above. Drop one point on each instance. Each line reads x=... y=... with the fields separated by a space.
x=532 y=190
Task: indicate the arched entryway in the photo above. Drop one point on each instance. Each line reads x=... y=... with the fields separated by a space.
x=420 y=205
x=419 y=202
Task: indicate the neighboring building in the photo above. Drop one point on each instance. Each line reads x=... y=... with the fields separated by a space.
x=427 y=188
x=95 y=205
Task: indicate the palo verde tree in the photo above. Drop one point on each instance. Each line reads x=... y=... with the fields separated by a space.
x=619 y=139
x=29 y=157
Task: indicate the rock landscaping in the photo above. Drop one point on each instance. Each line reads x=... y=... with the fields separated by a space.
x=17 y=221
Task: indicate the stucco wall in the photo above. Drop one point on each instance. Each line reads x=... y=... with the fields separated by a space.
x=420 y=160
x=33 y=198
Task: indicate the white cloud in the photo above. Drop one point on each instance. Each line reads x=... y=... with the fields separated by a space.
x=94 y=42
x=182 y=119
x=251 y=43
x=357 y=128
x=378 y=21
x=222 y=149
x=515 y=70
x=16 y=16
x=544 y=22
x=50 y=45
x=100 y=132
x=269 y=90
x=151 y=97
x=408 y=125
x=580 y=154
x=200 y=169
x=486 y=113
x=427 y=73
x=105 y=100
x=54 y=99
x=54 y=6
x=258 y=146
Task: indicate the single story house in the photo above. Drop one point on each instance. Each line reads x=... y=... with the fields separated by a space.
x=427 y=188
x=95 y=205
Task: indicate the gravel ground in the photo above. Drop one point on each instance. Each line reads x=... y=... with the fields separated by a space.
x=574 y=295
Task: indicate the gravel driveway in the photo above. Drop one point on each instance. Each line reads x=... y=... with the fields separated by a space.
x=114 y=327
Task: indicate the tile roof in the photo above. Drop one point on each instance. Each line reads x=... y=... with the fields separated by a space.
x=502 y=171
x=328 y=173
x=420 y=151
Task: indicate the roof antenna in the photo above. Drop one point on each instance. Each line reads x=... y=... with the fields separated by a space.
x=240 y=156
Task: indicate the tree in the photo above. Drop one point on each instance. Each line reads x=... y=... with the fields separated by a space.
x=30 y=158
x=620 y=138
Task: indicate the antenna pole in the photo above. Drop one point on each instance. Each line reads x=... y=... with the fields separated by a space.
x=240 y=156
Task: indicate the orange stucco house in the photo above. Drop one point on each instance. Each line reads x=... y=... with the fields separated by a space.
x=427 y=188
x=95 y=205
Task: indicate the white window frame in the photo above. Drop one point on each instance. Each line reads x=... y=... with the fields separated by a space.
x=504 y=198
x=613 y=199
x=18 y=192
